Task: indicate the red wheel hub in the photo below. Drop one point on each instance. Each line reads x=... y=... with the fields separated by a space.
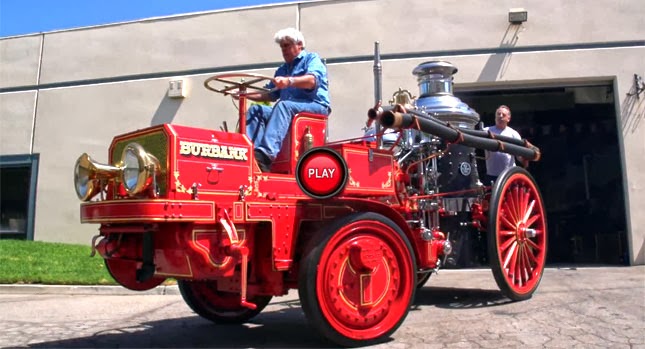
x=362 y=286
x=521 y=232
x=359 y=279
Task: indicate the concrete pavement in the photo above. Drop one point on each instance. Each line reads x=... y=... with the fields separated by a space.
x=573 y=308
x=84 y=290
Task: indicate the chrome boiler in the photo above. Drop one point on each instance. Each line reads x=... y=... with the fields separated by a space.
x=456 y=166
x=436 y=166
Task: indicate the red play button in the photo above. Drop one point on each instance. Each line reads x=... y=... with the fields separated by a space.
x=321 y=173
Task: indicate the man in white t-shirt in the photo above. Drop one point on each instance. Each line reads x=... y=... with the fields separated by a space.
x=497 y=162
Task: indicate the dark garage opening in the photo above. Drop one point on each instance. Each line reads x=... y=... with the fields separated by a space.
x=18 y=177
x=14 y=201
x=580 y=174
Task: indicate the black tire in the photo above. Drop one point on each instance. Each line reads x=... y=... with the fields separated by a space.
x=517 y=234
x=218 y=306
x=328 y=273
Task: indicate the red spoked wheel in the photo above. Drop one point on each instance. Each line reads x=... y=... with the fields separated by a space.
x=357 y=279
x=517 y=234
x=207 y=301
x=124 y=272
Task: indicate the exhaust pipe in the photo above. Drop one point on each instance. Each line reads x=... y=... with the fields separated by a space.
x=471 y=138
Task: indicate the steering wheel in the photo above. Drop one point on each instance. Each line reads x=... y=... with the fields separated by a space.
x=247 y=81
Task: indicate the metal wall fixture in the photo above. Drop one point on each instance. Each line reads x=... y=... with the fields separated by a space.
x=177 y=88
x=517 y=15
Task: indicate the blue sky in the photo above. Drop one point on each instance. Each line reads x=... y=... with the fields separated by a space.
x=18 y=17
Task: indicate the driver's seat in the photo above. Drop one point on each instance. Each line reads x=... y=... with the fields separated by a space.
x=294 y=142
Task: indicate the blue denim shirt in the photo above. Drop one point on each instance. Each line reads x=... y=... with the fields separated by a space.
x=305 y=63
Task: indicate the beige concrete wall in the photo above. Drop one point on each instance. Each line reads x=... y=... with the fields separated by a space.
x=632 y=123
x=19 y=61
x=413 y=26
x=16 y=122
x=72 y=120
x=173 y=44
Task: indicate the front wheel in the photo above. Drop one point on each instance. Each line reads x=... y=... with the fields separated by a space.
x=124 y=272
x=207 y=301
x=517 y=234
x=357 y=279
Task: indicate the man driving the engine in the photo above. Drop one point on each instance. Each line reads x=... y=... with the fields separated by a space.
x=299 y=85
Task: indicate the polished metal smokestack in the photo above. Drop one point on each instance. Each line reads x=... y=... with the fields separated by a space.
x=378 y=75
x=378 y=92
x=435 y=81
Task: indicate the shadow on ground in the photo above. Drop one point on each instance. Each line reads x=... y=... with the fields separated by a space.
x=458 y=298
x=284 y=328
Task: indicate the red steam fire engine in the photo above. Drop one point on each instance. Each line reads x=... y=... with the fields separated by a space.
x=355 y=226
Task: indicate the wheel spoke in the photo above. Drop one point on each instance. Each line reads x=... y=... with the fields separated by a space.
x=528 y=211
x=509 y=254
x=527 y=263
x=506 y=232
x=510 y=206
x=531 y=257
x=518 y=202
x=512 y=256
x=526 y=195
x=521 y=202
x=532 y=262
x=514 y=262
x=508 y=223
x=506 y=244
x=533 y=245
x=505 y=214
x=529 y=222
x=520 y=264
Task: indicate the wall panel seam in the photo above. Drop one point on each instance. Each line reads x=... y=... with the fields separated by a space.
x=334 y=60
x=33 y=117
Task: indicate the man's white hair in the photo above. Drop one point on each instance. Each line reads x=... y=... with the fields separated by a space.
x=291 y=34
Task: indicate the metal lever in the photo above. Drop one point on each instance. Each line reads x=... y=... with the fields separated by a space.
x=238 y=250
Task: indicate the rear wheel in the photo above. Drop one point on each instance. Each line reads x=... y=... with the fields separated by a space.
x=357 y=280
x=207 y=301
x=124 y=272
x=517 y=234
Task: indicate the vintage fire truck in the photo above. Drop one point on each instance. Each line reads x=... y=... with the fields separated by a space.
x=356 y=226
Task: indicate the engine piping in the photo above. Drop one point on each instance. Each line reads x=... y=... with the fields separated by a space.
x=472 y=138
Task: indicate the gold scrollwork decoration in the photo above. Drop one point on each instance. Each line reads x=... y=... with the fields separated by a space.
x=180 y=187
x=297 y=150
x=256 y=184
x=387 y=183
x=249 y=188
x=352 y=182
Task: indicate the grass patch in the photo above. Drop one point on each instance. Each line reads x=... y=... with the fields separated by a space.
x=37 y=262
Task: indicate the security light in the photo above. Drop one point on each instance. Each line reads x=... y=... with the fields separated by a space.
x=517 y=15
